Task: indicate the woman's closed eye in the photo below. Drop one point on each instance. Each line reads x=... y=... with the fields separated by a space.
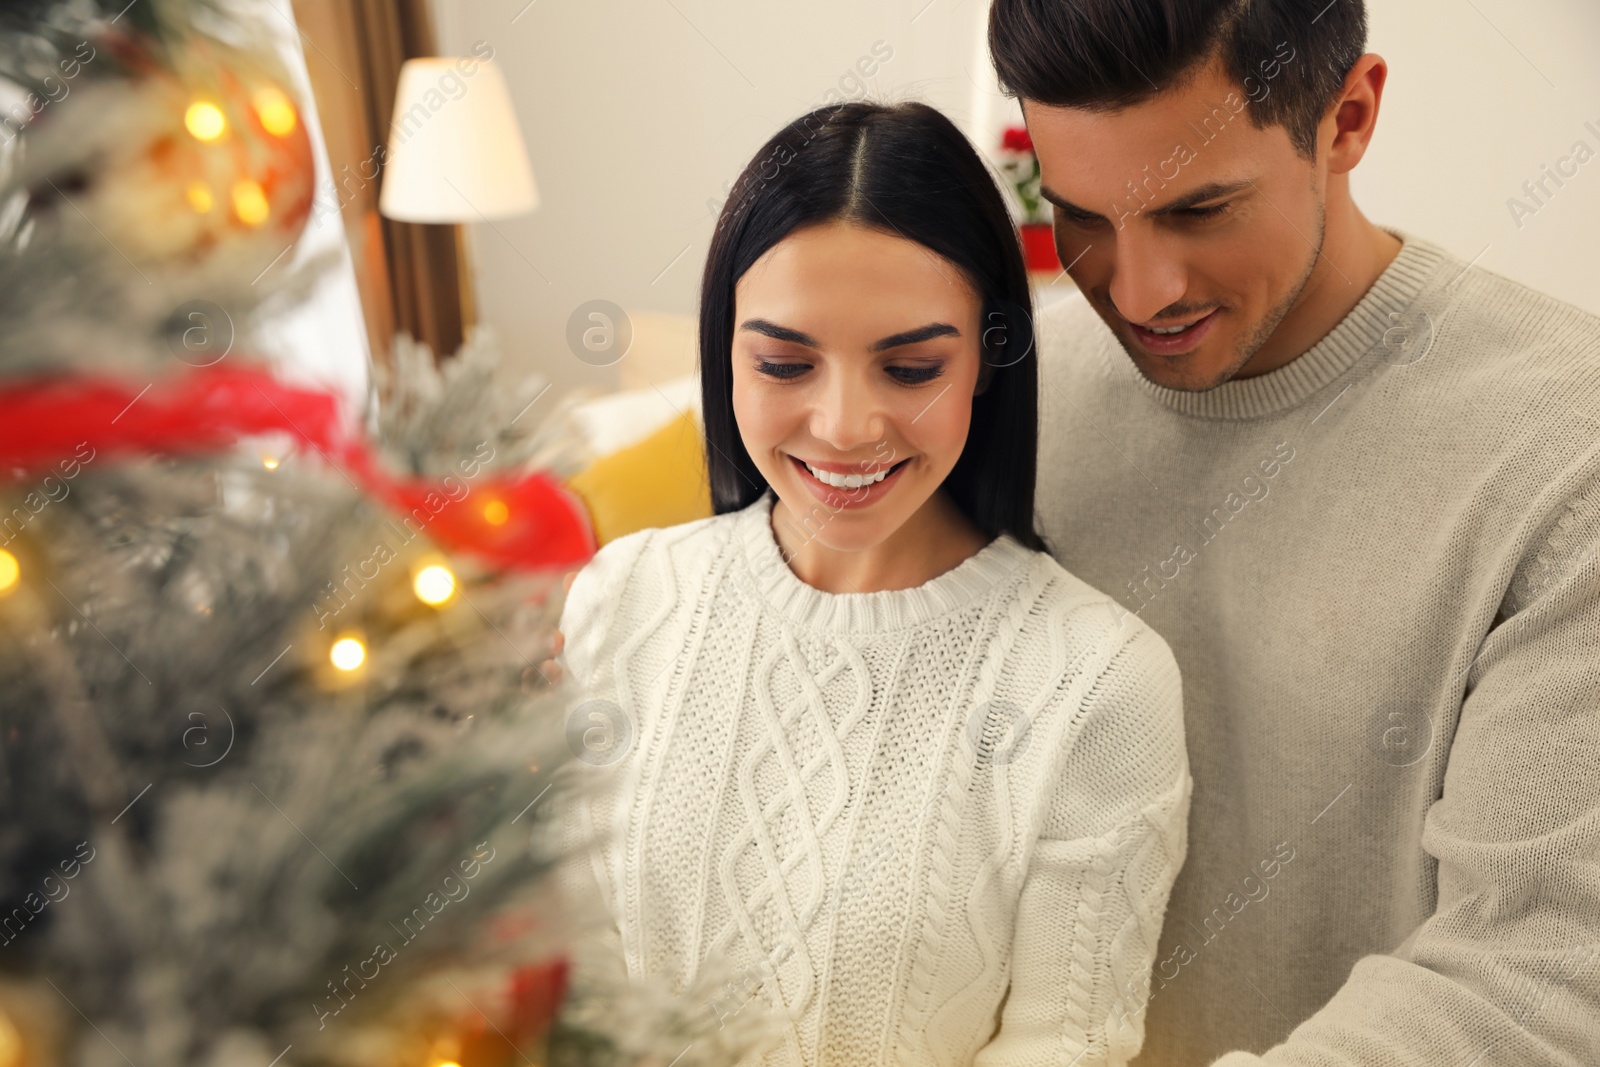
x=915 y=374
x=781 y=370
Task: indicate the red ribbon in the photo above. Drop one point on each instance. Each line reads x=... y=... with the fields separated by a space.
x=526 y=522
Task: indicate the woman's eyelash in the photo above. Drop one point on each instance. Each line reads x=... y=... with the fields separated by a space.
x=904 y=375
x=782 y=370
x=916 y=375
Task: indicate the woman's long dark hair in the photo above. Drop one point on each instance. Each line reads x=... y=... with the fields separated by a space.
x=906 y=170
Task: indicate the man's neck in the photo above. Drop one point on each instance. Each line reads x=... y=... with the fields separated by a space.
x=1354 y=253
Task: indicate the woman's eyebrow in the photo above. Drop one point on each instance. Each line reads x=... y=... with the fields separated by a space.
x=905 y=337
x=778 y=333
x=921 y=333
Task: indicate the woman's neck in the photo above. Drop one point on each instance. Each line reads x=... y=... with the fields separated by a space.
x=936 y=539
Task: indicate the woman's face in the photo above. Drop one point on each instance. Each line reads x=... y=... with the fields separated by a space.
x=855 y=358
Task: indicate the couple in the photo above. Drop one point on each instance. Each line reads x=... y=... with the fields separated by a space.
x=1321 y=503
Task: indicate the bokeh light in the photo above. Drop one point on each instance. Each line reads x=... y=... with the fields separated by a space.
x=348 y=653
x=205 y=120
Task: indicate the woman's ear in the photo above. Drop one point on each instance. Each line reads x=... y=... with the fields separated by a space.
x=985 y=374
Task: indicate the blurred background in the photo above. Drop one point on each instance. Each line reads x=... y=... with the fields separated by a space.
x=636 y=115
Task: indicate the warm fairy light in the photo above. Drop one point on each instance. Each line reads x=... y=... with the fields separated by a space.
x=269 y=462
x=447 y=1063
x=250 y=202
x=434 y=584
x=496 y=513
x=10 y=1042
x=10 y=571
x=347 y=653
x=276 y=113
x=200 y=197
x=205 y=120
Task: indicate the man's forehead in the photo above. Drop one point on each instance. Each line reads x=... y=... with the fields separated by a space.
x=1181 y=144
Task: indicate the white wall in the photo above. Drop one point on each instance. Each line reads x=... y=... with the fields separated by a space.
x=636 y=112
x=1481 y=95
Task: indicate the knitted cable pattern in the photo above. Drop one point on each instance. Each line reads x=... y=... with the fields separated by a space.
x=878 y=804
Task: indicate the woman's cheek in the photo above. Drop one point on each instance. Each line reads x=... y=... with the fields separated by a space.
x=940 y=432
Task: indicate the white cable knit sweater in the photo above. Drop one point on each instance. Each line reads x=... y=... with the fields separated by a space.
x=889 y=805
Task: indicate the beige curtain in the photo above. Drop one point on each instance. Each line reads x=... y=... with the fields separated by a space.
x=411 y=275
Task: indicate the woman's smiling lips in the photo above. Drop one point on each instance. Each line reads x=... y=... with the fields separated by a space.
x=848 y=496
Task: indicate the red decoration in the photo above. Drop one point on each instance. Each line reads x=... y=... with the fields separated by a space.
x=532 y=996
x=1016 y=139
x=528 y=521
x=536 y=994
x=1039 y=246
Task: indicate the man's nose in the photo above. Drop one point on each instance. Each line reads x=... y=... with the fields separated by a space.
x=1148 y=274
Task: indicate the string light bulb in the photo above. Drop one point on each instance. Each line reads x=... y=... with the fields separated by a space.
x=205 y=120
x=250 y=202
x=495 y=513
x=276 y=113
x=434 y=584
x=10 y=572
x=347 y=653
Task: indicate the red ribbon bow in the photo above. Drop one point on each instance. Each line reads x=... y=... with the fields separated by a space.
x=527 y=522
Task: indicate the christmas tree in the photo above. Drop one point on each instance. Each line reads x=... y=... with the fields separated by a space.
x=275 y=745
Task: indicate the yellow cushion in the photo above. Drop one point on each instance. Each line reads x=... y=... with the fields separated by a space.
x=660 y=481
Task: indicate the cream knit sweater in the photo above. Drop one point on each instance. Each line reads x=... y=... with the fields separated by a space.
x=1379 y=570
x=885 y=807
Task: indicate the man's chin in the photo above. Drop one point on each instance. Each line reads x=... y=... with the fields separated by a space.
x=1191 y=372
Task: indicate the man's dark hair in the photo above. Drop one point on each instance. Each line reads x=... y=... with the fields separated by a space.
x=1105 y=55
x=906 y=170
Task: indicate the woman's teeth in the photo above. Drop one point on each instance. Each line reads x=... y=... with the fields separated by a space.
x=846 y=481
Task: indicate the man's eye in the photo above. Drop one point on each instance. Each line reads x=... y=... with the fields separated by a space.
x=1207 y=212
x=781 y=370
x=1079 y=220
x=915 y=375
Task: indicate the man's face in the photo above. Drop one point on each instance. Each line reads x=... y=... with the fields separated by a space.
x=1178 y=212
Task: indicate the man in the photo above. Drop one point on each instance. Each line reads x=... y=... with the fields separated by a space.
x=1354 y=481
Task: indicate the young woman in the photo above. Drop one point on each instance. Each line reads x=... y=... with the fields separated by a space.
x=872 y=745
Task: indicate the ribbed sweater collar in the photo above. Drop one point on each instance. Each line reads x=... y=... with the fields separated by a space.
x=1357 y=334
x=894 y=609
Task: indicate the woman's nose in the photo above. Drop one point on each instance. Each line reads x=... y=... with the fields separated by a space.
x=847 y=416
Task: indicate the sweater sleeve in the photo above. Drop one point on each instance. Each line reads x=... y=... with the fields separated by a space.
x=1097 y=885
x=587 y=621
x=1506 y=971
x=591 y=603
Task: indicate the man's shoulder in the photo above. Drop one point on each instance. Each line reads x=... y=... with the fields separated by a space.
x=1515 y=316
x=1498 y=317
x=1077 y=351
x=1067 y=319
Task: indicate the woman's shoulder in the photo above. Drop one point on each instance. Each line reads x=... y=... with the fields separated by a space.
x=1063 y=616
x=1050 y=589
x=644 y=556
x=633 y=580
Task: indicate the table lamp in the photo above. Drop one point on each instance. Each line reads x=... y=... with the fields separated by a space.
x=455 y=159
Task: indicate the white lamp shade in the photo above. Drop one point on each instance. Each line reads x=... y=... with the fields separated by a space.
x=455 y=153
